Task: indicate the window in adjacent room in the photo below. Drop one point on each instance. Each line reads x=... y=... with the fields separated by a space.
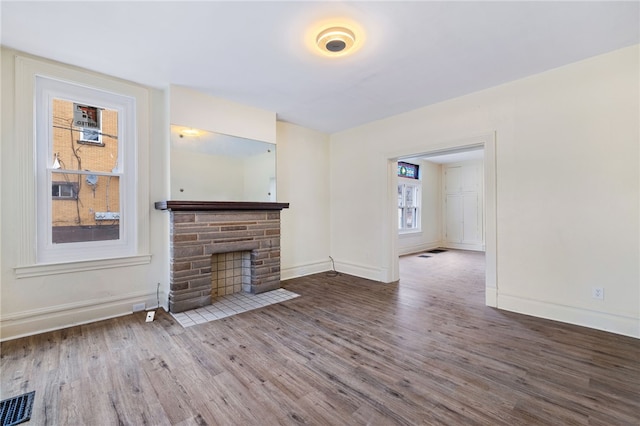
x=409 y=196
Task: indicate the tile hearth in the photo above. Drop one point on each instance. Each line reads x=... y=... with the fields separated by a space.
x=226 y=306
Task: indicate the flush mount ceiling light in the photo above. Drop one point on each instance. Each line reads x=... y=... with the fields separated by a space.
x=335 y=41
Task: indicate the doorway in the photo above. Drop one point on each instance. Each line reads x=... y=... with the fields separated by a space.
x=454 y=152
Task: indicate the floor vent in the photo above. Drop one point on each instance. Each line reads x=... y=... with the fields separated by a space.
x=436 y=251
x=16 y=410
x=424 y=255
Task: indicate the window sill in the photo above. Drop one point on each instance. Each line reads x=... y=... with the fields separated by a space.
x=86 y=265
x=410 y=233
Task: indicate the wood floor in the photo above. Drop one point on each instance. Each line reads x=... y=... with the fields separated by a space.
x=347 y=352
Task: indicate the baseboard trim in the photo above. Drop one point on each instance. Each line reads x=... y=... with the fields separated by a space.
x=618 y=324
x=306 y=269
x=418 y=248
x=464 y=246
x=362 y=271
x=374 y=274
x=491 y=297
x=36 y=321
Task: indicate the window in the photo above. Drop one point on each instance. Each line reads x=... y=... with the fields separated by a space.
x=409 y=196
x=85 y=147
x=64 y=191
x=36 y=167
x=88 y=120
x=408 y=170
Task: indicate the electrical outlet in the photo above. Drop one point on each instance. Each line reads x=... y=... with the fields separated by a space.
x=597 y=293
x=138 y=307
x=150 y=315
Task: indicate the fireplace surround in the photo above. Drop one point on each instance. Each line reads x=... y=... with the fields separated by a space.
x=201 y=229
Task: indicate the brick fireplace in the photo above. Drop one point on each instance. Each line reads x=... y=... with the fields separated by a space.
x=210 y=240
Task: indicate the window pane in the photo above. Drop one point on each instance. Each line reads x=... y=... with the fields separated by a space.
x=84 y=148
x=92 y=215
x=408 y=170
x=409 y=196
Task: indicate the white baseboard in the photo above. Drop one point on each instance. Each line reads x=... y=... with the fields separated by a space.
x=464 y=246
x=418 y=248
x=374 y=274
x=627 y=326
x=35 y=321
x=362 y=271
x=491 y=297
x=306 y=269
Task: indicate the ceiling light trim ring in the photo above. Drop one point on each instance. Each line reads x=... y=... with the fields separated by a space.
x=335 y=40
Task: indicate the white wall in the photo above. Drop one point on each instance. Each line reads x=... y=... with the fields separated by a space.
x=567 y=162
x=303 y=181
x=430 y=233
x=73 y=293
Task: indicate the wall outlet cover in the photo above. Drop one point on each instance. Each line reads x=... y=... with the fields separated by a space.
x=150 y=315
x=138 y=307
x=597 y=293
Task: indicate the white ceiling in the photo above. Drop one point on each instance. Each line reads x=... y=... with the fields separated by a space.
x=414 y=53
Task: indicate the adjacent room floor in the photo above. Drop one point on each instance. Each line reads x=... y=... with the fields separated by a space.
x=347 y=351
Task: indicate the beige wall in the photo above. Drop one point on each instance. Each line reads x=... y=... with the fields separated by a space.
x=303 y=181
x=567 y=161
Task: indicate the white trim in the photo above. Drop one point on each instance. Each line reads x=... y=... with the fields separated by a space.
x=486 y=140
x=47 y=90
x=619 y=324
x=363 y=271
x=418 y=248
x=27 y=70
x=85 y=265
x=464 y=246
x=306 y=269
x=36 y=321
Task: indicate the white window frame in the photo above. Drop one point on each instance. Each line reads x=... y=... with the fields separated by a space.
x=414 y=183
x=48 y=89
x=36 y=257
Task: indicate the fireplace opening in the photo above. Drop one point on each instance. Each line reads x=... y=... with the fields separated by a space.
x=230 y=273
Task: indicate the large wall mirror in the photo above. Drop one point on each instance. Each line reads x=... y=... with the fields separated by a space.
x=209 y=166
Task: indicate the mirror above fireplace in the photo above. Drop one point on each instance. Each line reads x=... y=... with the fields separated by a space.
x=209 y=166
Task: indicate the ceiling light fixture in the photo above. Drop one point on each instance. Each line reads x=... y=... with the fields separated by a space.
x=335 y=41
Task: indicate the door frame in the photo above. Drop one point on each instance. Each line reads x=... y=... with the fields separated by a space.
x=488 y=142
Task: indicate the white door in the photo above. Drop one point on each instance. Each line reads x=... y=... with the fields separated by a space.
x=463 y=206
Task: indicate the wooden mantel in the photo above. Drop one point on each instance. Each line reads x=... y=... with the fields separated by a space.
x=183 y=206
